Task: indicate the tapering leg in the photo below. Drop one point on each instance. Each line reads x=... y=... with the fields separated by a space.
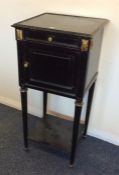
x=23 y=91
x=76 y=125
x=44 y=103
x=89 y=102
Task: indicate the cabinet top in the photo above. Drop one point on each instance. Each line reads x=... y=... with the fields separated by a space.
x=63 y=23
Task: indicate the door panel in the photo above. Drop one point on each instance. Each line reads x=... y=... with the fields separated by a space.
x=53 y=67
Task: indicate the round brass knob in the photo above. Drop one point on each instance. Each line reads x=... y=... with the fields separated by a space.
x=26 y=64
x=50 y=39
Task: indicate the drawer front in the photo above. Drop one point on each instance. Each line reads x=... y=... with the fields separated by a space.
x=52 y=38
x=50 y=66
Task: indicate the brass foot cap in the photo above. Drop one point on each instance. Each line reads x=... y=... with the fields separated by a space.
x=84 y=136
x=26 y=149
x=71 y=165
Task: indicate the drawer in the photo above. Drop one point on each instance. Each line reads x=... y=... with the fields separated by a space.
x=52 y=38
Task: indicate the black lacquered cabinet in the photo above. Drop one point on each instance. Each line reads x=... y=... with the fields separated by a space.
x=59 y=54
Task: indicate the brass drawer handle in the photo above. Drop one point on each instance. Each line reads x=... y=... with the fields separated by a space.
x=50 y=39
x=26 y=64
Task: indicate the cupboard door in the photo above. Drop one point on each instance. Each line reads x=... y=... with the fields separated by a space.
x=51 y=67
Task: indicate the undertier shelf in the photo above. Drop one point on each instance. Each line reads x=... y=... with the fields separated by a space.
x=53 y=131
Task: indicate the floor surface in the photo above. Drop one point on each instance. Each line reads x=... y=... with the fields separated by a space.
x=94 y=157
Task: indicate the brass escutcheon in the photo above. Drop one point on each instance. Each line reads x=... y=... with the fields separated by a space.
x=26 y=64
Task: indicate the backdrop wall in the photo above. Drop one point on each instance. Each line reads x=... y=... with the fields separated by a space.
x=105 y=112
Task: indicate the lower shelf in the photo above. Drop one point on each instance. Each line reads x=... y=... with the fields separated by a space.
x=53 y=131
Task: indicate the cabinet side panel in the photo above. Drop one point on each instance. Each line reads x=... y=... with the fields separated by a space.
x=94 y=55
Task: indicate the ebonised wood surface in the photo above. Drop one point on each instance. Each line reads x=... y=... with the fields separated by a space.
x=66 y=23
x=59 y=54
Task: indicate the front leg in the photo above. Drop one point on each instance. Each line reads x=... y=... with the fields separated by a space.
x=23 y=91
x=76 y=125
